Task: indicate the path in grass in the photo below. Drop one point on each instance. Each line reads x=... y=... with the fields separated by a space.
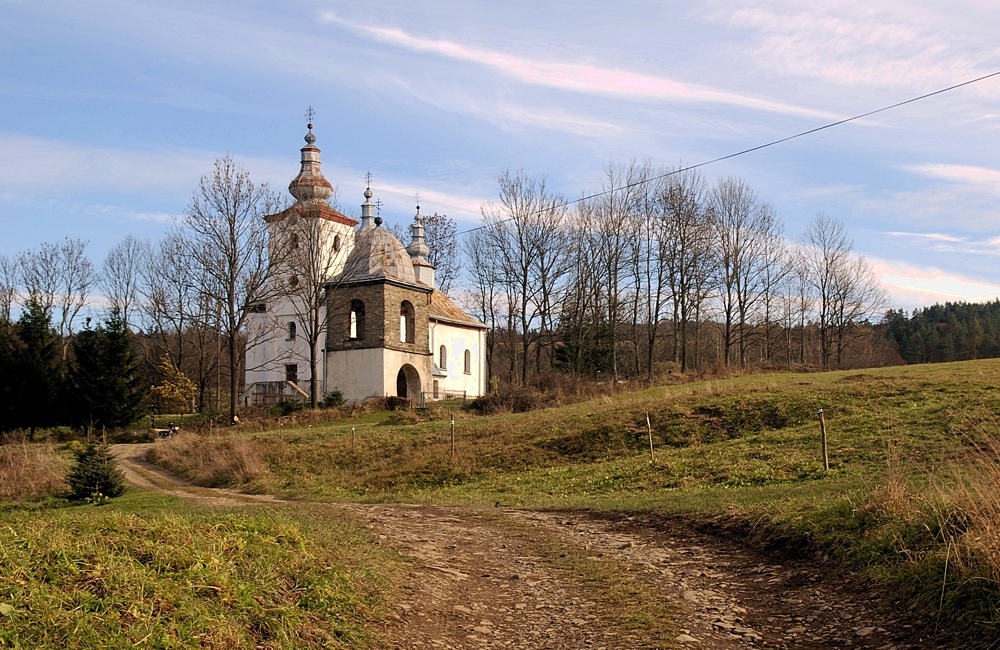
x=512 y=578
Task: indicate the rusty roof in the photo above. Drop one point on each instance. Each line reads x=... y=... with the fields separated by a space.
x=318 y=210
x=443 y=309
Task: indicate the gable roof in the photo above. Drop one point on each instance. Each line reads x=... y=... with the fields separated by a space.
x=442 y=309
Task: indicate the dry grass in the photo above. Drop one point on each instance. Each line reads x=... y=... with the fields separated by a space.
x=214 y=461
x=30 y=471
x=967 y=510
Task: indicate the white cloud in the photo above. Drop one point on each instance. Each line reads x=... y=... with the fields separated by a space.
x=576 y=77
x=886 y=44
x=945 y=243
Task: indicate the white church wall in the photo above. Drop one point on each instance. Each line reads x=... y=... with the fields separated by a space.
x=372 y=372
x=272 y=348
x=457 y=340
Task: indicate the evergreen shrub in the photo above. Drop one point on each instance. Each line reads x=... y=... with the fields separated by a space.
x=96 y=475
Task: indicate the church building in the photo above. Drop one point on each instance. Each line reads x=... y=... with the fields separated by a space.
x=367 y=303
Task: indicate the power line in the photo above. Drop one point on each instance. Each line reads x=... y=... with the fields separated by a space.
x=758 y=147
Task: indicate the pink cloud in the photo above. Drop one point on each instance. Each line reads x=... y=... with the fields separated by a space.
x=960 y=173
x=581 y=78
x=911 y=286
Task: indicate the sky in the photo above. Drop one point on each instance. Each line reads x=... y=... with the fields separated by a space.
x=111 y=110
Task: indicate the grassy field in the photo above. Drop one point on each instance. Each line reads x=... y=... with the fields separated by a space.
x=912 y=498
x=154 y=572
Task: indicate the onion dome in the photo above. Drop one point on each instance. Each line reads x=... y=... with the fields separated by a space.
x=310 y=185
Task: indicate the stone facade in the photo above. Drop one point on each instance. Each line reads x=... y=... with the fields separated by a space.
x=382 y=300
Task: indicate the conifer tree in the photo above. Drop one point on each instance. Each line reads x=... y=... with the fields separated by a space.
x=95 y=475
x=109 y=387
x=36 y=372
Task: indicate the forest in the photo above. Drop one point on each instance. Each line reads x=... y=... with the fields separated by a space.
x=954 y=331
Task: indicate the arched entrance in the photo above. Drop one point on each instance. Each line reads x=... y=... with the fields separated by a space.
x=408 y=382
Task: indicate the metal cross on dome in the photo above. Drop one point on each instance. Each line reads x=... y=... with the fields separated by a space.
x=368 y=179
x=310 y=115
x=378 y=207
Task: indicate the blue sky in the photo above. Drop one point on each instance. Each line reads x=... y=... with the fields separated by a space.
x=111 y=110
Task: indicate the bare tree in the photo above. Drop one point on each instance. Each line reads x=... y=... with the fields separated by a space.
x=227 y=241
x=843 y=286
x=525 y=235
x=485 y=297
x=441 y=237
x=685 y=249
x=776 y=265
x=443 y=244
x=613 y=226
x=8 y=287
x=121 y=275
x=582 y=313
x=745 y=226
x=59 y=278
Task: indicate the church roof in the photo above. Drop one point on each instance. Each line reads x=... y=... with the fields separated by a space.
x=316 y=210
x=377 y=254
x=443 y=309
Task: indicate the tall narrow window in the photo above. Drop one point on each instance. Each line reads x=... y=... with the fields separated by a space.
x=468 y=362
x=443 y=358
x=292 y=372
x=357 y=326
x=291 y=330
x=406 y=325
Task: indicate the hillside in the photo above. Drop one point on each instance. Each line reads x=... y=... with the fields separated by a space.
x=909 y=501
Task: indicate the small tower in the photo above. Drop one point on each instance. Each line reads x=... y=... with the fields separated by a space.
x=418 y=250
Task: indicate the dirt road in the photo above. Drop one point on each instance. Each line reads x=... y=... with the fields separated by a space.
x=510 y=578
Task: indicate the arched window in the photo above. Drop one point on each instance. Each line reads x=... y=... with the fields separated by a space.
x=336 y=243
x=291 y=330
x=295 y=240
x=468 y=362
x=406 y=327
x=443 y=358
x=357 y=326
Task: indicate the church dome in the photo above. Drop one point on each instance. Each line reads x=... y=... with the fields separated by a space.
x=378 y=254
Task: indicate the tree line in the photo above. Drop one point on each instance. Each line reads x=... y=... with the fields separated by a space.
x=660 y=269
x=657 y=270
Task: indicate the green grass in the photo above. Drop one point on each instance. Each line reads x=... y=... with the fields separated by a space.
x=151 y=571
x=745 y=451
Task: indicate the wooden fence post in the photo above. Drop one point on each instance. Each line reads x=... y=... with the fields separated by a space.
x=354 y=440
x=452 y=437
x=822 y=430
x=649 y=429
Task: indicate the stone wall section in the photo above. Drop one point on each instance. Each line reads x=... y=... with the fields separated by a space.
x=382 y=301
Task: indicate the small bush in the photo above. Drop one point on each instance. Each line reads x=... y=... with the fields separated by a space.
x=514 y=400
x=96 y=475
x=334 y=399
x=397 y=403
x=287 y=408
